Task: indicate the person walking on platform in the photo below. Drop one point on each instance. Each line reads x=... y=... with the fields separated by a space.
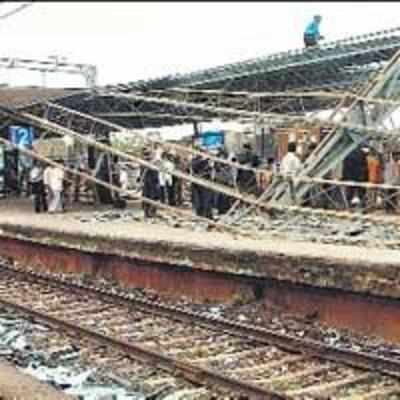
x=291 y=163
x=290 y=166
x=79 y=181
x=375 y=176
x=202 y=197
x=53 y=180
x=46 y=182
x=124 y=179
x=246 y=177
x=224 y=175
x=150 y=188
x=177 y=183
x=312 y=34
x=37 y=186
x=355 y=169
x=391 y=177
x=166 y=181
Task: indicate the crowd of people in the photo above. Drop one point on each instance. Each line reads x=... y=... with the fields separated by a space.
x=365 y=164
x=167 y=188
x=53 y=188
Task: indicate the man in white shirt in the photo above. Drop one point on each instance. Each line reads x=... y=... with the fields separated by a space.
x=46 y=181
x=165 y=180
x=53 y=179
x=124 y=178
x=37 y=185
x=290 y=164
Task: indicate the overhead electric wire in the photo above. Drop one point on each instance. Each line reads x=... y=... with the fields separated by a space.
x=15 y=10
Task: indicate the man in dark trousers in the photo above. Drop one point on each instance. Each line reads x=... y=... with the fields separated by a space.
x=201 y=196
x=37 y=185
x=224 y=175
x=150 y=188
x=246 y=179
x=355 y=168
x=177 y=182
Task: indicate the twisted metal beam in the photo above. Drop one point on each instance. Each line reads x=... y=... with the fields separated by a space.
x=356 y=50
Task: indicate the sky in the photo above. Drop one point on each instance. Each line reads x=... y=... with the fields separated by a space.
x=132 y=41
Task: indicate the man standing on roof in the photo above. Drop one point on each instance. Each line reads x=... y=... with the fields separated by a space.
x=311 y=34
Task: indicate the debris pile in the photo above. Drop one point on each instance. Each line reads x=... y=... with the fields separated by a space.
x=328 y=230
x=58 y=367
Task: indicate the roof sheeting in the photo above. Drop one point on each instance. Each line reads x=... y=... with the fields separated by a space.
x=323 y=65
x=25 y=96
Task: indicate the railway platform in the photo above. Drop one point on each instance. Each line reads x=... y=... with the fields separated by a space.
x=347 y=286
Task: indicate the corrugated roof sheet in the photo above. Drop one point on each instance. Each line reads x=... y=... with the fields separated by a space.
x=25 y=96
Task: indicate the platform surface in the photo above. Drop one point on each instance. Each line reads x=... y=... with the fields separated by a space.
x=349 y=267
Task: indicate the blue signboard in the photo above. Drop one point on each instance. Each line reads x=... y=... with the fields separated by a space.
x=212 y=139
x=22 y=136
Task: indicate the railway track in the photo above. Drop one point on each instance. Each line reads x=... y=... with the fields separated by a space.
x=213 y=354
x=63 y=357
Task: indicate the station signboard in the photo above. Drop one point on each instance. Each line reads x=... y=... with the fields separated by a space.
x=212 y=139
x=21 y=136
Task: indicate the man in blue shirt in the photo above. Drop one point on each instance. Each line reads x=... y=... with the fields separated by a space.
x=311 y=34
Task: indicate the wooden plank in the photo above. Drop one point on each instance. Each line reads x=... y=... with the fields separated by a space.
x=274 y=364
x=157 y=381
x=377 y=394
x=326 y=388
x=295 y=375
x=180 y=339
x=235 y=355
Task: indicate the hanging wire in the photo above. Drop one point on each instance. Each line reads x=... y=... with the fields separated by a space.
x=15 y=10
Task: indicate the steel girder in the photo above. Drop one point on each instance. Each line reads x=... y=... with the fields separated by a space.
x=286 y=68
x=145 y=113
x=342 y=141
x=341 y=65
x=89 y=72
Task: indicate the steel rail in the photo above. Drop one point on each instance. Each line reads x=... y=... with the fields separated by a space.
x=257 y=334
x=189 y=371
